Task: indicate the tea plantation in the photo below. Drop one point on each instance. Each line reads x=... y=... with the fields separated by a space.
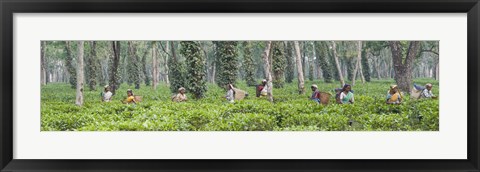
x=289 y=112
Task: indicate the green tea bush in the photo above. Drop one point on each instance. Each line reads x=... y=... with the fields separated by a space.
x=289 y=111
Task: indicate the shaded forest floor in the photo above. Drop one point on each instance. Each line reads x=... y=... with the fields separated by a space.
x=289 y=112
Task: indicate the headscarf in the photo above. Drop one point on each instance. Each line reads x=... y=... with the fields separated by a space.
x=428 y=85
x=345 y=87
x=264 y=81
x=392 y=87
x=180 y=89
x=130 y=90
x=106 y=88
x=314 y=86
x=230 y=85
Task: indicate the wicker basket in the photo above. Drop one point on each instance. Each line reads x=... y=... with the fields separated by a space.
x=325 y=97
x=415 y=94
x=138 y=99
x=239 y=94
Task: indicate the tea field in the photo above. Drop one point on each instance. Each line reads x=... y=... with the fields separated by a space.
x=289 y=112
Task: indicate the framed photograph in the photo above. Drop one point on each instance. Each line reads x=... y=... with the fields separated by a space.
x=230 y=85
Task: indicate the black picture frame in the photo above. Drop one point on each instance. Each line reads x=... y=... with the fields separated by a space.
x=9 y=7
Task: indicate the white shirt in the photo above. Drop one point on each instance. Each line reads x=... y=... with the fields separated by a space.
x=265 y=88
x=426 y=93
x=230 y=96
x=107 y=96
x=343 y=95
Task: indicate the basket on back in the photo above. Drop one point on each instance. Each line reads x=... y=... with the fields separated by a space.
x=240 y=94
x=325 y=97
x=138 y=98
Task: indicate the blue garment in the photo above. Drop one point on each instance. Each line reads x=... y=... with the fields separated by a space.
x=316 y=100
x=418 y=87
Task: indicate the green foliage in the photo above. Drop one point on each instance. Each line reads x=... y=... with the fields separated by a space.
x=226 y=62
x=375 y=46
x=290 y=58
x=195 y=61
x=289 y=112
x=248 y=63
x=326 y=64
x=176 y=71
x=278 y=64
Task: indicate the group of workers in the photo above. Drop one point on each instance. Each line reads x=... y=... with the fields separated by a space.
x=394 y=96
x=343 y=95
x=107 y=95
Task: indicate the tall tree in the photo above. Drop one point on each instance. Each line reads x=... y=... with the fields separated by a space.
x=301 y=85
x=311 y=75
x=80 y=79
x=249 y=67
x=268 y=70
x=226 y=62
x=195 y=60
x=321 y=49
x=289 y=75
x=166 y=70
x=403 y=64
x=133 y=65
x=154 y=65
x=278 y=63
x=431 y=47
x=92 y=66
x=114 y=69
x=311 y=66
x=70 y=66
x=348 y=64
x=144 y=64
x=357 y=63
x=337 y=63
x=365 y=66
x=176 y=70
x=43 y=69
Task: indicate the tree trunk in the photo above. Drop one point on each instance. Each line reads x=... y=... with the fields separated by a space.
x=165 y=67
x=304 y=65
x=70 y=67
x=154 y=65
x=144 y=65
x=268 y=71
x=113 y=81
x=357 y=64
x=92 y=66
x=403 y=68
x=377 y=67
x=43 y=72
x=437 y=70
x=213 y=72
x=301 y=84
x=79 y=99
x=196 y=62
x=337 y=63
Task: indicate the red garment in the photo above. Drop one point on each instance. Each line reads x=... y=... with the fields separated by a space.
x=316 y=94
x=260 y=87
